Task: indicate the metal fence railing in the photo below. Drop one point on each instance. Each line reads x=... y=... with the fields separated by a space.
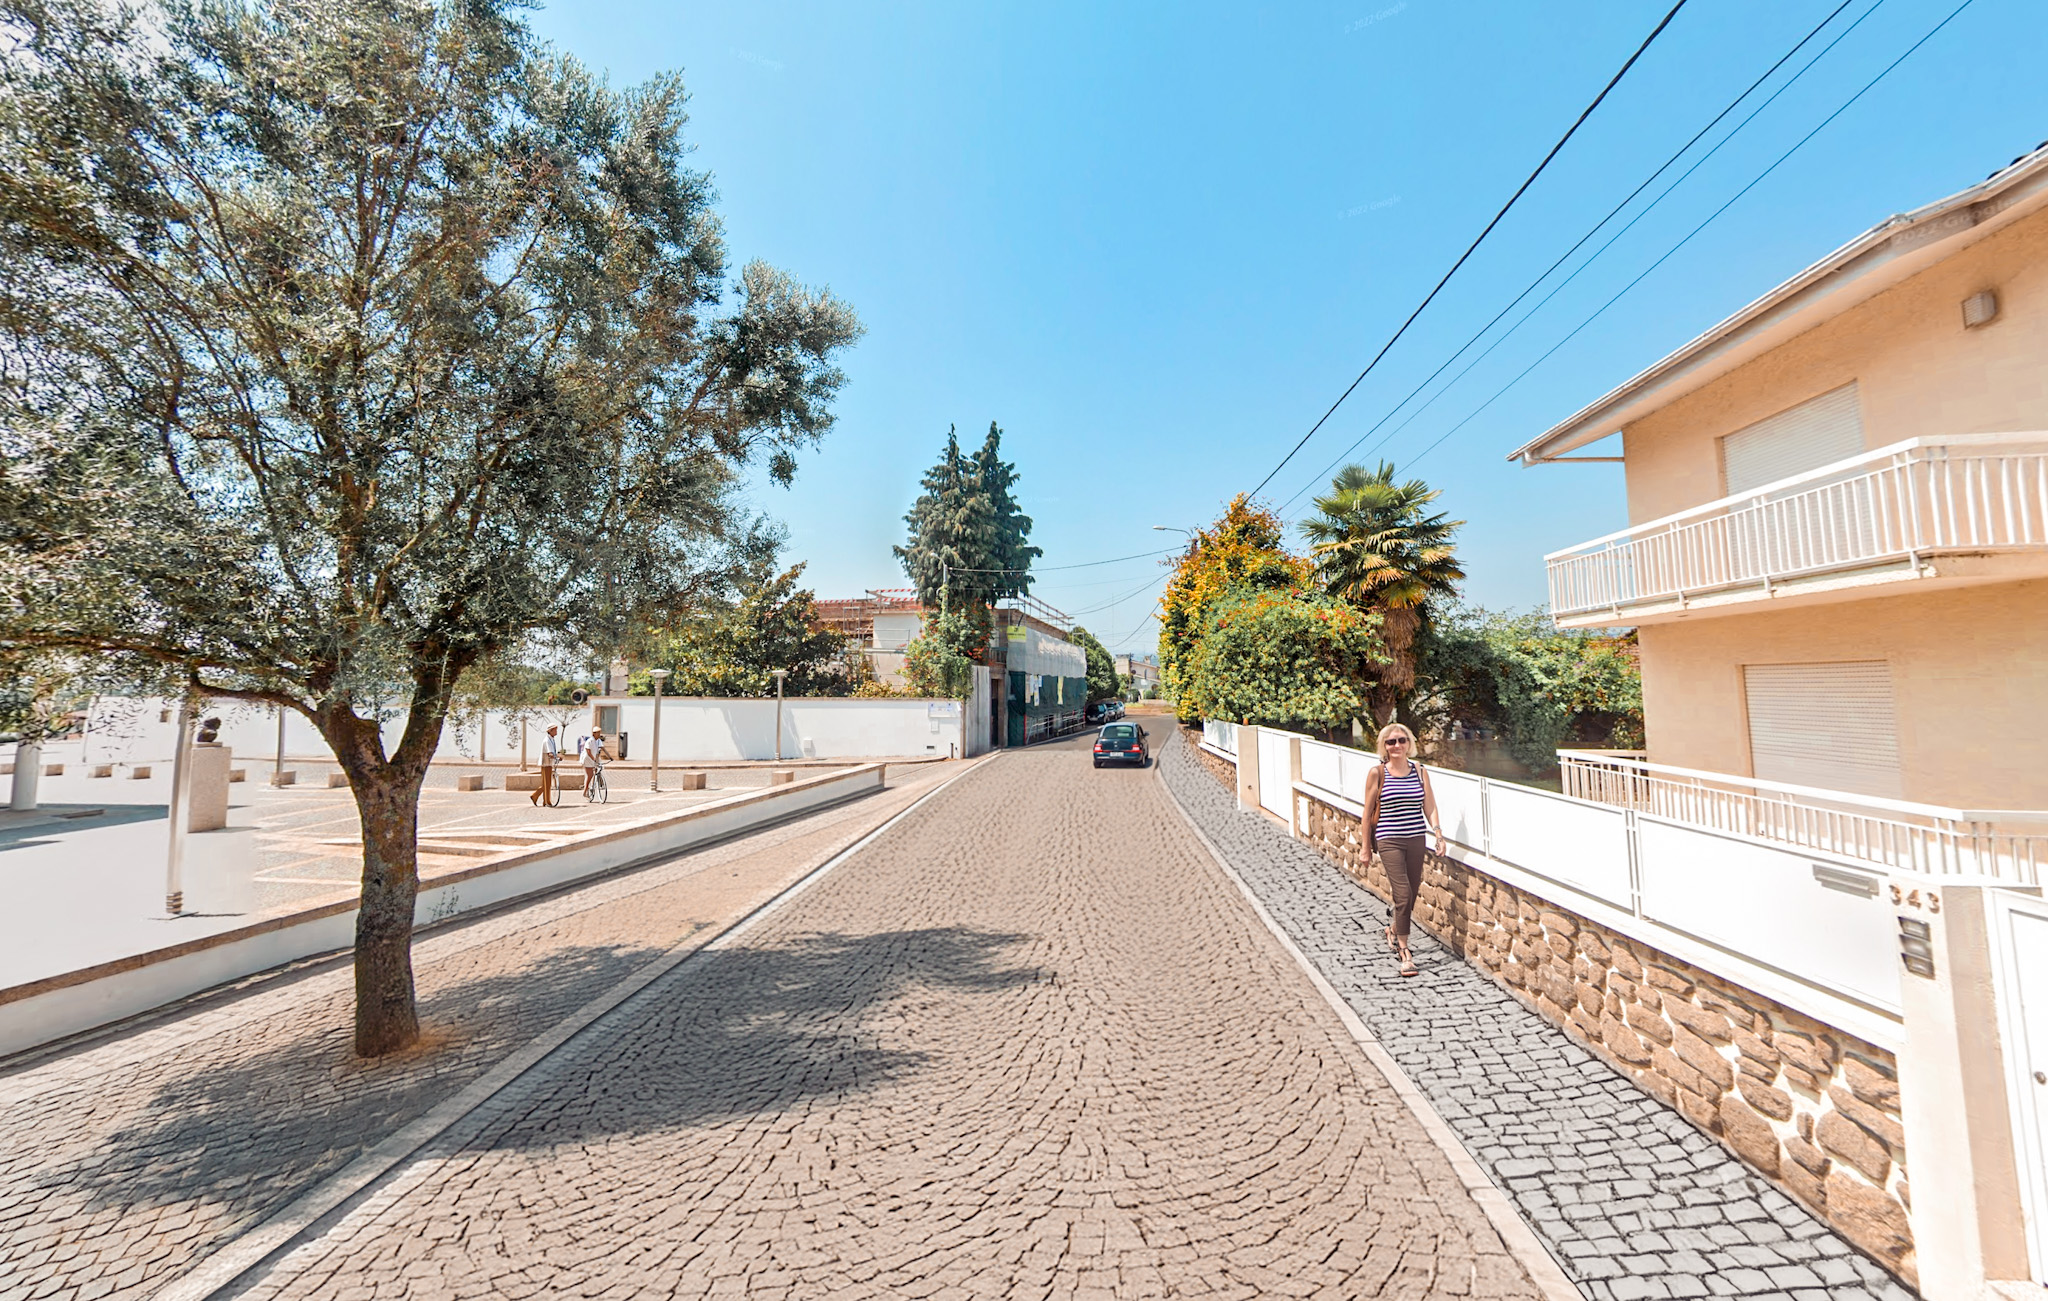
x=2007 y=845
x=1902 y=503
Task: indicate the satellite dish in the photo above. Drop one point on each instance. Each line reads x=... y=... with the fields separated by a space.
x=579 y=697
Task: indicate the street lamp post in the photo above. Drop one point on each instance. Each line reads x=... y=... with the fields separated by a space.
x=1168 y=528
x=654 y=777
x=181 y=786
x=780 y=674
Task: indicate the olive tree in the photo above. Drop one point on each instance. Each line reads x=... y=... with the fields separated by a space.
x=352 y=343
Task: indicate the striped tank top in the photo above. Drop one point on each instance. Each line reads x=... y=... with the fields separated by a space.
x=1401 y=804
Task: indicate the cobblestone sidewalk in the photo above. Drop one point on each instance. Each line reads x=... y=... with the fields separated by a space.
x=125 y=1160
x=1030 y=1043
x=1632 y=1201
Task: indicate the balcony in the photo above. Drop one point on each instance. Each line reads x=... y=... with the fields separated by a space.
x=1970 y=508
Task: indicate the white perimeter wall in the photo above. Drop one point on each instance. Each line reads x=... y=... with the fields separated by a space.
x=134 y=730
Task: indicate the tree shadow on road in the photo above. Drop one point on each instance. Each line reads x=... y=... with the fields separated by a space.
x=745 y=1032
x=728 y=1033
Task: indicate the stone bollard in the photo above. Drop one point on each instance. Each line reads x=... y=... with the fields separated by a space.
x=336 y=779
x=471 y=783
x=140 y=773
x=206 y=787
x=288 y=777
x=781 y=776
x=53 y=770
x=238 y=775
x=693 y=781
x=103 y=770
x=522 y=781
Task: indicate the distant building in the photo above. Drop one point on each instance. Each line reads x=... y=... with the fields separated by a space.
x=1140 y=674
x=1043 y=676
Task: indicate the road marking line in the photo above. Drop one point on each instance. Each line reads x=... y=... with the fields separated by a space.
x=326 y=1203
x=1515 y=1233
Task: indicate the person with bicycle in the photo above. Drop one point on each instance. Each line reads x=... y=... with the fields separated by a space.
x=590 y=750
x=550 y=755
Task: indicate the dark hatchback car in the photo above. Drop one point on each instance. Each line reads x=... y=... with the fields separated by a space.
x=1121 y=743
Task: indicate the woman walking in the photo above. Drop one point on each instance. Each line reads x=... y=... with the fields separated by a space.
x=1400 y=810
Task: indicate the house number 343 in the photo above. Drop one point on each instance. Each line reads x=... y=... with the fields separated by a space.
x=1912 y=899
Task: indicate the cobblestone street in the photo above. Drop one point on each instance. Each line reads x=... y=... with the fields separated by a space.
x=1631 y=1199
x=1030 y=1042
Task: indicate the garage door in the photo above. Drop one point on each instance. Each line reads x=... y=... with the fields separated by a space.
x=1830 y=725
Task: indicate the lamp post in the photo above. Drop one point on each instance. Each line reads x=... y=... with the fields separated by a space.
x=654 y=775
x=1168 y=528
x=181 y=786
x=780 y=674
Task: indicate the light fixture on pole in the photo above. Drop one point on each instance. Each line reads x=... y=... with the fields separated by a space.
x=1168 y=528
x=654 y=776
x=780 y=674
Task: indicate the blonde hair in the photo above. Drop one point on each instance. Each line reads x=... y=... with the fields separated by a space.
x=1394 y=729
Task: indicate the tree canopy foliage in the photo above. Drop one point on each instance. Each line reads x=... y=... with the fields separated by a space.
x=731 y=648
x=940 y=663
x=1539 y=687
x=1282 y=658
x=1375 y=544
x=969 y=545
x=1103 y=682
x=1244 y=549
x=344 y=346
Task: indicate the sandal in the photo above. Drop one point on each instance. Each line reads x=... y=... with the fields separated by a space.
x=1408 y=967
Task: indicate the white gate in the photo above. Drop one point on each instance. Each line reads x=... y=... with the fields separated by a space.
x=1276 y=773
x=2019 y=948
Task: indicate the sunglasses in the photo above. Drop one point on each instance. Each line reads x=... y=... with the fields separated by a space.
x=1397 y=740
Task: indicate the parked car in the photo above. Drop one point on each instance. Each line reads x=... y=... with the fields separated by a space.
x=1122 y=743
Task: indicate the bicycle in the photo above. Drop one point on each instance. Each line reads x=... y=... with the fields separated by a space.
x=595 y=789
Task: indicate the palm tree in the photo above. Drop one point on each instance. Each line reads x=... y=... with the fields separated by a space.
x=1375 y=545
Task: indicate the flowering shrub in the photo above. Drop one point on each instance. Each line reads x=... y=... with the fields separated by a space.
x=1242 y=550
x=1281 y=658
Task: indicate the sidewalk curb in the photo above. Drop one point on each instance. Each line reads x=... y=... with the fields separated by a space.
x=266 y=1243
x=1515 y=1234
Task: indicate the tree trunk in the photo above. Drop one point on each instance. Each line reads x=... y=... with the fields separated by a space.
x=387 y=795
x=387 y=801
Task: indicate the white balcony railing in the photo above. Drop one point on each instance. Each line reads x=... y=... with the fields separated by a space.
x=2006 y=845
x=1898 y=504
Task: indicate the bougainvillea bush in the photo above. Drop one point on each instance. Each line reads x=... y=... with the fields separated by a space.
x=1241 y=551
x=1282 y=658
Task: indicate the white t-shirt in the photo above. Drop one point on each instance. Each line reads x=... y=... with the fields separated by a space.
x=587 y=749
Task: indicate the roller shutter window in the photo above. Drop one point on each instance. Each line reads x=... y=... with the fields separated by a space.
x=1818 y=432
x=1826 y=725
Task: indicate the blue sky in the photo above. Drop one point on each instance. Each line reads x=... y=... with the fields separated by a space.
x=1155 y=244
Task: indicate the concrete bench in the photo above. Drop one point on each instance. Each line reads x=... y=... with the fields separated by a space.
x=140 y=772
x=53 y=770
x=335 y=779
x=781 y=776
x=472 y=783
x=238 y=774
x=693 y=781
x=103 y=770
x=288 y=777
x=522 y=781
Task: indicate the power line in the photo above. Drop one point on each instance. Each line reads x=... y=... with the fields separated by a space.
x=1596 y=227
x=1054 y=569
x=1512 y=199
x=1801 y=143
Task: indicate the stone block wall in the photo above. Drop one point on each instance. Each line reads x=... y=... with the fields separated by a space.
x=1804 y=1104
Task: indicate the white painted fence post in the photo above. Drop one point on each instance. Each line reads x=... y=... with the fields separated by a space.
x=1967 y=1221
x=1293 y=780
x=1248 y=767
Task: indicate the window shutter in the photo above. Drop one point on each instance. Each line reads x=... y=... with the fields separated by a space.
x=1826 y=429
x=1828 y=725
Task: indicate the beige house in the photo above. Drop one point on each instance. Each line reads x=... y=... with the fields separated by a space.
x=1838 y=567
x=1838 y=555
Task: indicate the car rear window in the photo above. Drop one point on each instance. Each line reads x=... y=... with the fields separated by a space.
x=1120 y=732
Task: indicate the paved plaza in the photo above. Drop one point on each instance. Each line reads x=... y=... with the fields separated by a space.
x=85 y=873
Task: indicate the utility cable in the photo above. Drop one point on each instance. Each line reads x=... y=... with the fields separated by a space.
x=1801 y=143
x=1596 y=227
x=1470 y=250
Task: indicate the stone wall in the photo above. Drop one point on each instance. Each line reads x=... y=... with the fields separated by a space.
x=1812 y=1108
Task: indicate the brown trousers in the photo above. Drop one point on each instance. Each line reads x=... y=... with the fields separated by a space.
x=1402 y=857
